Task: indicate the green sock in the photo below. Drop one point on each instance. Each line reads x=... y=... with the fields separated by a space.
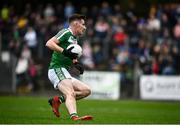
x=73 y=114
x=62 y=99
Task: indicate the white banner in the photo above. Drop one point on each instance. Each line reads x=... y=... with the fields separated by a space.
x=160 y=87
x=104 y=85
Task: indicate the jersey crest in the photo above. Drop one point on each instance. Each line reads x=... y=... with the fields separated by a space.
x=72 y=40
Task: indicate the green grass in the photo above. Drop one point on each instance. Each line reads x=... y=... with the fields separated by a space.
x=35 y=110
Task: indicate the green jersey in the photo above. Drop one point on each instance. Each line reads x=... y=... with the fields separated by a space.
x=65 y=38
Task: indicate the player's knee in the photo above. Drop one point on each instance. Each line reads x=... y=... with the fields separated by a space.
x=87 y=92
x=70 y=95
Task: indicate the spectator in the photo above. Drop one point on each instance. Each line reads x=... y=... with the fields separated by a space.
x=87 y=58
x=119 y=37
x=22 y=76
x=5 y=13
x=154 y=24
x=49 y=13
x=105 y=9
x=68 y=9
x=101 y=28
x=31 y=40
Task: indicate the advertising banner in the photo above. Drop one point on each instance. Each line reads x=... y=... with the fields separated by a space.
x=104 y=85
x=160 y=87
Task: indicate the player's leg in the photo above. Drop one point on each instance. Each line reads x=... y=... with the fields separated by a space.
x=81 y=89
x=62 y=80
x=66 y=87
x=56 y=76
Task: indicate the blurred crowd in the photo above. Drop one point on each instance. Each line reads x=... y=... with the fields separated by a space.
x=116 y=40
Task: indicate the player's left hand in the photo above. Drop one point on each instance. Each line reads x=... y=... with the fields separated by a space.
x=76 y=69
x=80 y=67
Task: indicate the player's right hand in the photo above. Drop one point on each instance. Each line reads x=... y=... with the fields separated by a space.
x=68 y=53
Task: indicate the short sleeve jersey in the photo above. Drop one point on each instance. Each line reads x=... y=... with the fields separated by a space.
x=65 y=38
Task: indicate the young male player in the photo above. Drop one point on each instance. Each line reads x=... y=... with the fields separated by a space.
x=62 y=59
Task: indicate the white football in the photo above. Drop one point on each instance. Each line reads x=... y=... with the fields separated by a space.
x=77 y=49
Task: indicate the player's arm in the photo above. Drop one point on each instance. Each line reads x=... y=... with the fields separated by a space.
x=53 y=45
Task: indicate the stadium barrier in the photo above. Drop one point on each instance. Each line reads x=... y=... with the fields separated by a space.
x=104 y=85
x=7 y=74
x=159 y=87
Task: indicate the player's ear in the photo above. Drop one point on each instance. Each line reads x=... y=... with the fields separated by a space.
x=75 y=23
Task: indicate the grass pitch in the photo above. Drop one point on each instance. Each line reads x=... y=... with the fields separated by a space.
x=36 y=110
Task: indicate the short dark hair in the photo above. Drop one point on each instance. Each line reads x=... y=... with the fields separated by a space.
x=76 y=17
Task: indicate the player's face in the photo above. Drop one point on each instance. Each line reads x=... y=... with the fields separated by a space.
x=81 y=27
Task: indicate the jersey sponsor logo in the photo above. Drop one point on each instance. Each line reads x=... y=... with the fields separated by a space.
x=72 y=40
